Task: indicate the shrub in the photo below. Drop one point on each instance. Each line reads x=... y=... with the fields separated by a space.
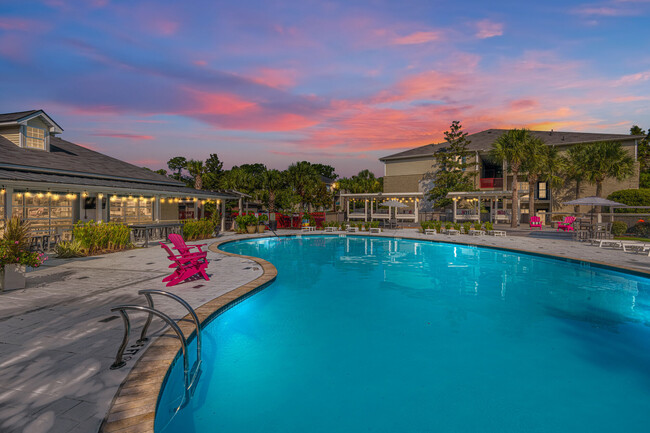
x=448 y=225
x=632 y=197
x=489 y=226
x=618 y=228
x=644 y=180
x=457 y=226
x=467 y=226
x=374 y=224
x=200 y=229
x=69 y=249
x=94 y=237
x=640 y=229
x=14 y=246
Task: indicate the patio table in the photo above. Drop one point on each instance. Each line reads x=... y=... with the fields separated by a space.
x=149 y=231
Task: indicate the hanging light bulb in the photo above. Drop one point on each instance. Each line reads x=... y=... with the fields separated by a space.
x=100 y=196
x=39 y=195
x=28 y=194
x=2 y=191
x=84 y=194
x=49 y=194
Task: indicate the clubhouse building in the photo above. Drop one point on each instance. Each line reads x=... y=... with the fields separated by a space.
x=54 y=183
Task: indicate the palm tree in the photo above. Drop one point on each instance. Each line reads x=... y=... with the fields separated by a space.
x=196 y=170
x=272 y=182
x=301 y=177
x=553 y=170
x=605 y=159
x=510 y=148
x=574 y=169
x=535 y=166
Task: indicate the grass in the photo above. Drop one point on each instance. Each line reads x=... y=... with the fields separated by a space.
x=630 y=238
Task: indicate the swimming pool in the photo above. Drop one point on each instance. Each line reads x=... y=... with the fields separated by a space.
x=386 y=335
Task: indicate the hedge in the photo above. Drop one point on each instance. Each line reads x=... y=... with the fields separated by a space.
x=632 y=197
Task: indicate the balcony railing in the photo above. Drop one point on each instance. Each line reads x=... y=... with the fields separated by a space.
x=492 y=182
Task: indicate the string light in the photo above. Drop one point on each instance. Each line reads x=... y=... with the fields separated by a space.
x=28 y=194
x=84 y=194
x=2 y=191
x=55 y=197
x=100 y=196
x=19 y=195
x=162 y=200
x=48 y=194
x=39 y=195
x=114 y=198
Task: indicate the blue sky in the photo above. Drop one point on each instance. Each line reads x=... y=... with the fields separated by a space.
x=334 y=82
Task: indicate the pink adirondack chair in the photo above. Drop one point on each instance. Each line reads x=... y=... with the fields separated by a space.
x=535 y=221
x=180 y=245
x=567 y=224
x=185 y=266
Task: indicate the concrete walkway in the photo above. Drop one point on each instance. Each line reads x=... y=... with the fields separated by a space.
x=58 y=337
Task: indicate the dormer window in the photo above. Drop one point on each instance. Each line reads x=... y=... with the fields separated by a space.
x=35 y=138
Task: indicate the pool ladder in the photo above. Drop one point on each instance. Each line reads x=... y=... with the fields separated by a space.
x=190 y=375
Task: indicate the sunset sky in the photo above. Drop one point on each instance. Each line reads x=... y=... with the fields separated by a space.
x=325 y=81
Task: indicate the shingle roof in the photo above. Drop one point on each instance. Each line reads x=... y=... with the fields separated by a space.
x=29 y=176
x=76 y=160
x=12 y=117
x=482 y=141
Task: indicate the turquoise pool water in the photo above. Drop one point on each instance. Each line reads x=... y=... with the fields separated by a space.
x=363 y=334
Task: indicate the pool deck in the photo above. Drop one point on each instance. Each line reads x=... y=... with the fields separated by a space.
x=57 y=345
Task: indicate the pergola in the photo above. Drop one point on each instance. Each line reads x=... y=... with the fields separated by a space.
x=477 y=198
x=374 y=201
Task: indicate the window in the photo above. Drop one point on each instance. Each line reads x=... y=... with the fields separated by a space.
x=47 y=212
x=542 y=193
x=523 y=187
x=131 y=210
x=35 y=138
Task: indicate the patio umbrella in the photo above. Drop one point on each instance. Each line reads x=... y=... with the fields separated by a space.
x=594 y=201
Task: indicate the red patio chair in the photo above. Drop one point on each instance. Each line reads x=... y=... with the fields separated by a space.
x=535 y=221
x=567 y=224
x=186 y=266
x=180 y=245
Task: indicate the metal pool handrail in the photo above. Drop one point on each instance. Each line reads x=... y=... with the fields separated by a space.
x=147 y=293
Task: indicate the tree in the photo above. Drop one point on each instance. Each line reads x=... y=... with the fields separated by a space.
x=326 y=170
x=161 y=171
x=643 y=149
x=606 y=159
x=450 y=165
x=213 y=172
x=176 y=165
x=574 y=169
x=534 y=165
x=362 y=182
x=272 y=182
x=196 y=170
x=510 y=148
x=552 y=173
x=302 y=178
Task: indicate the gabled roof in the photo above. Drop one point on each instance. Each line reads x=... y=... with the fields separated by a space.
x=482 y=141
x=71 y=159
x=23 y=116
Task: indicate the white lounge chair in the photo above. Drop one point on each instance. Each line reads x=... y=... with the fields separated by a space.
x=475 y=232
x=331 y=229
x=430 y=231
x=375 y=229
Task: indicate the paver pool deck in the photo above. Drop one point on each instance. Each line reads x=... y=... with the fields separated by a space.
x=58 y=337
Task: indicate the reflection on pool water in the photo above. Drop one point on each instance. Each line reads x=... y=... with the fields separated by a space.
x=382 y=335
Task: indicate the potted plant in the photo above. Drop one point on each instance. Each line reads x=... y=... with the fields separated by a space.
x=15 y=255
x=260 y=223
x=250 y=222
x=241 y=223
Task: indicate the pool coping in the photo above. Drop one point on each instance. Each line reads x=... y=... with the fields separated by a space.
x=134 y=405
x=133 y=409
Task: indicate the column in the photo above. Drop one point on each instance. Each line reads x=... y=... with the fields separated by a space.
x=9 y=197
x=82 y=202
x=240 y=205
x=223 y=214
x=196 y=209
x=98 y=207
x=156 y=208
x=454 y=215
x=417 y=209
x=365 y=208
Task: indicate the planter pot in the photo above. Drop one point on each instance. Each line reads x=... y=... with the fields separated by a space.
x=13 y=277
x=251 y=229
x=260 y=228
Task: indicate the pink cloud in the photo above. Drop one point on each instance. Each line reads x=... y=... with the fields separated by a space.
x=488 y=29
x=278 y=78
x=125 y=136
x=200 y=63
x=606 y=11
x=634 y=78
x=523 y=104
x=7 y=23
x=164 y=27
x=417 y=38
